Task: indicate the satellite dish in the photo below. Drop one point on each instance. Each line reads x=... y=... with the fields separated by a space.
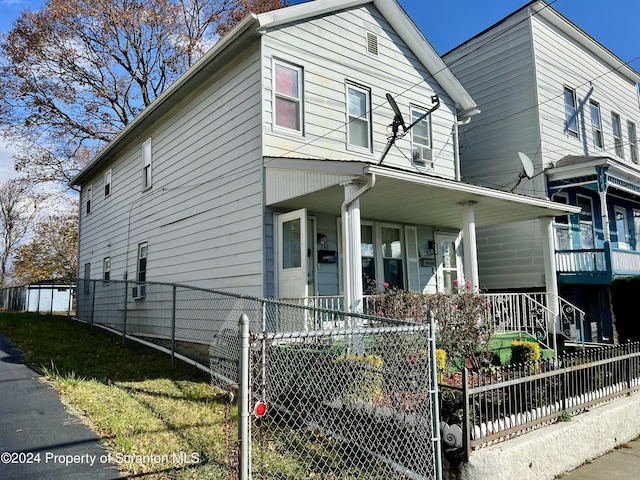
x=397 y=119
x=527 y=165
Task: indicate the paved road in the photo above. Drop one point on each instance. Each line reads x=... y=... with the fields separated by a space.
x=622 y=463
x=39 y=439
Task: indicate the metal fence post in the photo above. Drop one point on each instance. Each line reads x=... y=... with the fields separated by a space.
x=93 y=300
x=466 y=420
x=244 y=441
x=124 y=319
x=434 y=397
x=173 y=327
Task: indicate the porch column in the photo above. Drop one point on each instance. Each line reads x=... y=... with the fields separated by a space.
x=551 y=281
x=352 y=261
x=470 y=245
x=604 y=207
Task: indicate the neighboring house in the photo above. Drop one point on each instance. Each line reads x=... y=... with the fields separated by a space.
x=262 y=170
x=551 y=92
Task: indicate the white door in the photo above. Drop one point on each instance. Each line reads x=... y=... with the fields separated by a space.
x=449 y=261
x=294 y=276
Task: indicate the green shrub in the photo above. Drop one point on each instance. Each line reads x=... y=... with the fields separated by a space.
x=528 y=353
x=361 y=376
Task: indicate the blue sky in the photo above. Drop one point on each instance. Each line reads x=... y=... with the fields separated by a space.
x=447 y=23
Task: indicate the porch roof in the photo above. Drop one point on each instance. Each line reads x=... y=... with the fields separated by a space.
x=398 y=195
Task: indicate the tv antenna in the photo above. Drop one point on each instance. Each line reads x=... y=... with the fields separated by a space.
x=398 y=121
x=527 y=169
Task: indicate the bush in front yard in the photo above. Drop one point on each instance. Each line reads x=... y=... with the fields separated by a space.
x=625 y=308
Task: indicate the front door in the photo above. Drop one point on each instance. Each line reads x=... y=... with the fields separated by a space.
x=295 y=250
x=449 y=261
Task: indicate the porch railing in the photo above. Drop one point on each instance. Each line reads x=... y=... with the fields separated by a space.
x=607 y=261
x=513 y=312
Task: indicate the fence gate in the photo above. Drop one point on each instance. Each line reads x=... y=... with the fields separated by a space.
x=344 y=404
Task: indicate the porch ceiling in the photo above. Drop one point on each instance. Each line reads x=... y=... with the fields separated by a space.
x=407 y=197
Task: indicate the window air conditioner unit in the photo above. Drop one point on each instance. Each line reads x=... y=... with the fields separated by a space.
x=423 y=157
x=139 y=291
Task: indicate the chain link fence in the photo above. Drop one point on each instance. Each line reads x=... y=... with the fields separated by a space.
x=350 y=403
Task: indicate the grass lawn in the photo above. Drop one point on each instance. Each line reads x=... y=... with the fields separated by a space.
x=130 y=395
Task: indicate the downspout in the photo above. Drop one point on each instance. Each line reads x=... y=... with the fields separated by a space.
x=346 y=263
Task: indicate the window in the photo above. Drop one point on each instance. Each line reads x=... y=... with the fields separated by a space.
x=358 y=117
x=562 y=225
x=106 y=269
x=142 y=263
x=586 y=222
x=421 y=139
x=367 y=251
x=636 y=228
x=107 y=183
x=87 y=279
x=633 y=141
x=596 y=124
x=288 y=96
x=571 y=111
x=621 y=228
x=146 y=165
x=617 y=134
x=392 y=257
x=89 y=198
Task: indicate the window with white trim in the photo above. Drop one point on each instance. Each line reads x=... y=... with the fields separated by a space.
x=287 y=88
x=392 y=257
x=147 y=179
x=636 y=229
x=367 y=252
x=106 y=269
x=586 y=222
x=596 y=124
x=571 y=112
x=617 y=134
x=89 y=199
x=358 y=116
x=421 y=149
x=107 y=183
x=562 y=224
x=633 y=141
x=141 y=275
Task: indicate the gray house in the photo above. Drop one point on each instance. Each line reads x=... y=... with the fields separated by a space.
x=282 y=165
x=555 y=99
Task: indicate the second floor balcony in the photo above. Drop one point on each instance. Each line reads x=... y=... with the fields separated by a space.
x=596 y=265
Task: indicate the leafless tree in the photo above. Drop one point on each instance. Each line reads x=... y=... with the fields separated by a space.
x=18 y=210
x=75 y=72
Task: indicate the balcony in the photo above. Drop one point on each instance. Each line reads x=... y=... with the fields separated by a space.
x=596 y=265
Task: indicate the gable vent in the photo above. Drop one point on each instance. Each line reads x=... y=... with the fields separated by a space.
x=372 y=43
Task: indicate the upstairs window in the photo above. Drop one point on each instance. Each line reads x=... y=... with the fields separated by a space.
x=89 y=199
x=571 y=112
x=422 y=154
x=146 y=165
x=633 y=141
x=596 y=124
x=141 y=276
x=617 y=134
x=358 y=116
x=106 y=269
x=288 y=96
x=107 y=183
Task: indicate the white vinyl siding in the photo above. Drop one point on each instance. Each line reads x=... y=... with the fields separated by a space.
x=333 y=50
x=211 y=191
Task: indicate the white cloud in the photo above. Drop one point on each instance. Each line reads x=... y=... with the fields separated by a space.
x=6 y=163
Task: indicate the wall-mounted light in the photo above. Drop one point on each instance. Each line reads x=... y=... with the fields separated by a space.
x=322 y=240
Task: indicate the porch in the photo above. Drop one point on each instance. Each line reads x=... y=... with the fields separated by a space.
x=597 y=265
x=528 y=313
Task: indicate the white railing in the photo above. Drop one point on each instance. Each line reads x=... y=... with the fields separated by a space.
x=583 y=261
x=512 y=312
x=625 y=261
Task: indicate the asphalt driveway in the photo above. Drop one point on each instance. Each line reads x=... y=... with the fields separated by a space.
x=39 y=438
